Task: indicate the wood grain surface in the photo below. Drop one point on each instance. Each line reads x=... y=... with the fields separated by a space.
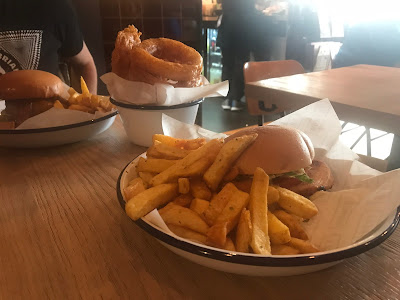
x=63 y=235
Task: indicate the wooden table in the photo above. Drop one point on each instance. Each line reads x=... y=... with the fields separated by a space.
x=64 y=236
x=363 y=94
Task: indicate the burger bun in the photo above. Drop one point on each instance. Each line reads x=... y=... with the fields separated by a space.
x=277 y=149
x=29 y=84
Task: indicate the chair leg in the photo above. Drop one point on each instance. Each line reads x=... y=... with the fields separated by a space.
x=260 y=120
x=368 y=134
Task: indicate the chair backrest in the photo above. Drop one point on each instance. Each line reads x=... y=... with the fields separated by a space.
x=259 y=70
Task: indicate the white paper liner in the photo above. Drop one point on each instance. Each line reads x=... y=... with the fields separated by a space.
x=140 y=93
x=59 y=117
x=361 y=197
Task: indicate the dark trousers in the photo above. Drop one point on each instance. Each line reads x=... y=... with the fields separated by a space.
x=237 y=40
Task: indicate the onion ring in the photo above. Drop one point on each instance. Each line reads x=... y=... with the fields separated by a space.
x=126 y=40
x=154 y=61
x=168 y=58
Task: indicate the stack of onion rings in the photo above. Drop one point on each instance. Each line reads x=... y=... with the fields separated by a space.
x=159 y=60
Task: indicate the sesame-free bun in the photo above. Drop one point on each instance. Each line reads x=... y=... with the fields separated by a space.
x=29 y=84
x=277 y=149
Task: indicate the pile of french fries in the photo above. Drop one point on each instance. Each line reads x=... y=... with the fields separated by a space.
x=201 y=197
x=86 y=101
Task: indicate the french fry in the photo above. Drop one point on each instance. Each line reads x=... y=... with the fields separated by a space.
x=258 y=207
x=200 y=158
x=184 y=185
x=231 y=175
x=58 y=104
x=273 y=195
x=185 y=217
x=74 y=97
x=283 y=250
x=136 y=186
x=303 y=246
x=84 y=88
x=94 y=101
x=71 y=91
x=243 y=232
x=146 y=201
x=199 y=189
x=296 y=204
x=191 y=144
x=278 y=232
x=232 y=210
x=199 y=205
x=166 y=208
x=183 y=200
x=159 y=150
x=198 y=168
x=229 y=245
x=104 y=102
x=218 y=203
x=81 y=108
x=187 y=233
x=153 y=165
x=245 y=186
x=225 y=158
x=216 y=235
x=147 y=177
x=295 y=228
x=85 y=100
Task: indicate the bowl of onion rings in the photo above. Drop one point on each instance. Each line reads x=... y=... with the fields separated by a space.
x=141 y=122
x=153 y=77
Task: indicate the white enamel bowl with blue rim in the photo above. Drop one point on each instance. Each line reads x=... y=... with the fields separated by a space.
x=55 y=136
x=254 y=264
x=141 y=122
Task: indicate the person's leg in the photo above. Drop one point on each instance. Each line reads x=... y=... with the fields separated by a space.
x=227 y=61
x=242 y=56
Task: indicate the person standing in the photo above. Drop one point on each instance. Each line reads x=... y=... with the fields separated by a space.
x=39 y=35
x=241 y=32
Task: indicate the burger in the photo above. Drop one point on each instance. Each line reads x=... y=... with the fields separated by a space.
x=27 y=93
x=287 y=156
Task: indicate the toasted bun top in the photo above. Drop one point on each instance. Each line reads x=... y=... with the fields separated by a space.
x=29 y=84
x=277 y=149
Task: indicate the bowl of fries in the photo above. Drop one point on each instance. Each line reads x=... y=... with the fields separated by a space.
x=141 y=122
x=187 y=195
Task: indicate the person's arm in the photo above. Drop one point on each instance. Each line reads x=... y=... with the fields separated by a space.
x=83 y=65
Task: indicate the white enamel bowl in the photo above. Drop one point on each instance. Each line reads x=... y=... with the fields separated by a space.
x=253 y=264
x=55 y=136
x=141 y=122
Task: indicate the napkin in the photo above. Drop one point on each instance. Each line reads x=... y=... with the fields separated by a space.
x=141 y=93
x=361 y=198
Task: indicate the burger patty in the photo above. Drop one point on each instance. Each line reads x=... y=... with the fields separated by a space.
x=318 y=171
x=20 y=110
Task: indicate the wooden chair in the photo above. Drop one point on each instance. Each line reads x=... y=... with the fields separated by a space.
x=259 y=70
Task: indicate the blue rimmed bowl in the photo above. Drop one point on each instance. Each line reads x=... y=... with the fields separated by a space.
x=141 y=122
x=55 y=136
x=255 y=264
